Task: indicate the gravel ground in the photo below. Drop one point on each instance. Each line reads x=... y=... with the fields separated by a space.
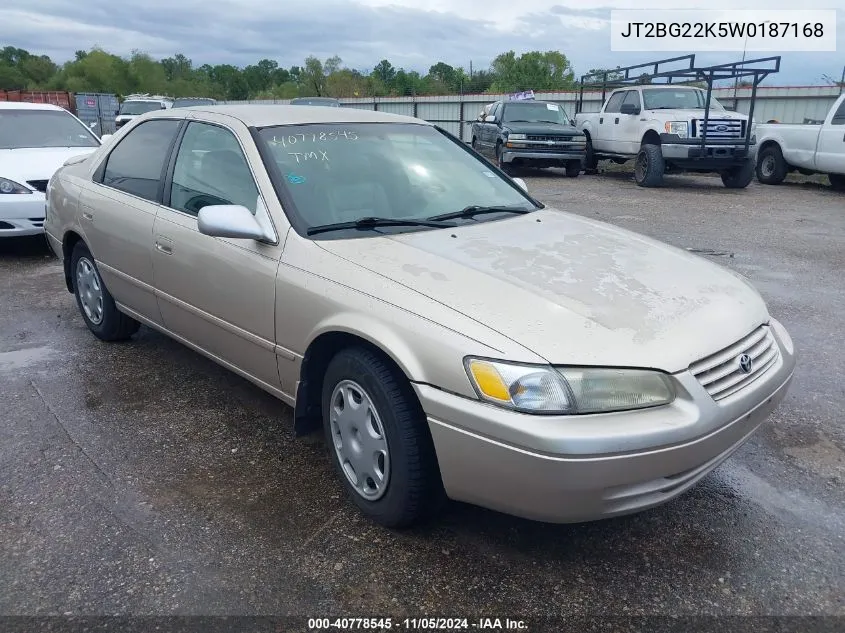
x=141 y=478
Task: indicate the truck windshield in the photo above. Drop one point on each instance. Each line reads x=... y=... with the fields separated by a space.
x=675 y=99
x=535 y=112
x=139 y=107
x=42 y=128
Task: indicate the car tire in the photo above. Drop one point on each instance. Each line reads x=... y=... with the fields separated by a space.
x=738 y=177
x=499 y=162
x=474 y=144
x=573 y=169
x=94 y=300
x=411 y=491
x=591 y=163
x=649 y=166
x=771 y=167
x=837 y=181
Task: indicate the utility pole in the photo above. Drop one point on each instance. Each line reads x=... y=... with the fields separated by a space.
x=842 y=81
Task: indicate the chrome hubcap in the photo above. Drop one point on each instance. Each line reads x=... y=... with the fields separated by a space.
x=90 y=290
x=768 y=166
x=359 y=440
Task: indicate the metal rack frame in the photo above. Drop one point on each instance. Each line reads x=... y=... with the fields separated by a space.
x=686 y=72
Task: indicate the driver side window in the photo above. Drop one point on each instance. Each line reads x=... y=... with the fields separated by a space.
x=211 y=169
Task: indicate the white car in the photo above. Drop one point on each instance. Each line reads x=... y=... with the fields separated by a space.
x=136 y=105
x=809 y=149
x=660 y=126
x=35 y=140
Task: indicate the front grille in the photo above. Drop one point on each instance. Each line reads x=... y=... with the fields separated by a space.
x=720 y=128
x=721 y=375
x=38 y=185
x=554 y=139
x=39 y=222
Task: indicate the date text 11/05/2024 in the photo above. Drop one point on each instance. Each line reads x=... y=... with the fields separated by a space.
x=417 y=624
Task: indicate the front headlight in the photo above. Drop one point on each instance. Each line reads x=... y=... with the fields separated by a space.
x=10 y=186
x=681 y=128
x=567 y=390
x=516 y=137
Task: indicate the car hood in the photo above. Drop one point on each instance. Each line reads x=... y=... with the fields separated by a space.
x=38 y=163
x=542 y=128
x=572 y=290
x=683 y=115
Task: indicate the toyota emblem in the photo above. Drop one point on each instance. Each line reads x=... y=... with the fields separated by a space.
x=745 y=363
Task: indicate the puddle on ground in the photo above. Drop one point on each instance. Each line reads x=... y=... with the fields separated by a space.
x=24 y=357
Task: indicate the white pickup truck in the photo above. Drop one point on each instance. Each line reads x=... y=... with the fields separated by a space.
x=662 y=127
x=809 y=149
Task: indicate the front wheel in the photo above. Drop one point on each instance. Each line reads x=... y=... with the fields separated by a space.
x=573 y=168
x=379 y=440
x=649 y=166
x=738 y=177
x=837 y=181
x=95 y=302
x=500 y=163
x=771 y=167
x=591 y=163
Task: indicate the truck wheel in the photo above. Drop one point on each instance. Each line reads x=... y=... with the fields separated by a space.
x=649 y=166
x=771 y=167
x=591 y=163
x=573 y=168
x=474 y=144
x=837 y=181
x=738 y=177
x=499 y=162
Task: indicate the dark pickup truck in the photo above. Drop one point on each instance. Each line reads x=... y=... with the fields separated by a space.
x=529 y=134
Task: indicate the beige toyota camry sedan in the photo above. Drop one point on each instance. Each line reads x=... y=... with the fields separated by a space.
x=452 y=336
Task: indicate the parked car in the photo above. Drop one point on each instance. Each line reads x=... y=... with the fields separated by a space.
x=529 y=134
x=660 y=127
x=136 y=105
x=187 y=102
x=449 y=334
x=316 y=101
x=35 y=139
x=809 y=149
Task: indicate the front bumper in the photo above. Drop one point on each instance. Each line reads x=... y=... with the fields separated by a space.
x=22 y=214
x=509 y=155
x=580 y=468
x=714 y=154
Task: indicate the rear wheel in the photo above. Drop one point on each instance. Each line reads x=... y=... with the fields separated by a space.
x=649 y=166
x=591 y=163
x=379 y=440
x=738 y=177
x=771 y=167
x=837 y=181
x=573 y=168
x=95 y=302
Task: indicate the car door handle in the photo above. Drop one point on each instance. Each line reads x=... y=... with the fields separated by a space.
x=617 y=121
x=601 y=120
x=165 y=248
x=87 y=215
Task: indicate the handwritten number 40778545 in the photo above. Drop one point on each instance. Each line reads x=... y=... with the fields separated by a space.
x=315 y=137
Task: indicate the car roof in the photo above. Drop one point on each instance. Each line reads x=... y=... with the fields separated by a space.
x=23 y=105
x=267 y=115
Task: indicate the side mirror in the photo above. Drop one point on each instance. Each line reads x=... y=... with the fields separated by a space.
x=521 y=184
x=230 y=220
x=629 y=108
x=92 y=125
x=105 y=137
x=490 y=118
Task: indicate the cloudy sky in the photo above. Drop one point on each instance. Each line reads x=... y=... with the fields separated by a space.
x=412 y=34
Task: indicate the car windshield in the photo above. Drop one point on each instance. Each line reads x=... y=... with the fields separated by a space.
x=673 y=98
x=343 y=173
x=139 y=107
x=43 y=128
x=535 y=112
x=186 y=103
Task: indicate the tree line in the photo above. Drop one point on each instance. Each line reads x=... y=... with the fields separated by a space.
x=97 y=70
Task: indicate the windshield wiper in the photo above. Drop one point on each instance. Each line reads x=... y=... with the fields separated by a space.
x=370 y=223
x=475 y=209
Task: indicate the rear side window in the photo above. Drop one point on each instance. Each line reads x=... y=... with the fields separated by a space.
x=614 y=104
x=136 y=165
x=839 y=115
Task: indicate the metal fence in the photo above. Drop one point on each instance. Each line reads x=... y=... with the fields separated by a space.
x=455 y=113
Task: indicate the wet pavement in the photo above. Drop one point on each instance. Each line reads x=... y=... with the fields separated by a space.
x=141 y=478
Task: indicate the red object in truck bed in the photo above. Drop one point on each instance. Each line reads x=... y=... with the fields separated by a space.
x=59 y=98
